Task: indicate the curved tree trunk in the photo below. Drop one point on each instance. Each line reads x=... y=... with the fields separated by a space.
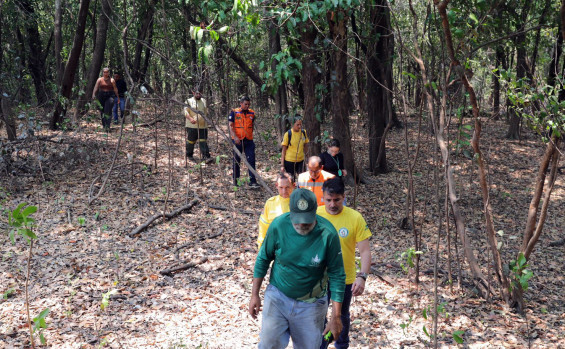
x=71 y=66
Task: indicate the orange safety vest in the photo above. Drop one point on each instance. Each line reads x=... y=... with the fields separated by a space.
x=243 y=123
x=304 y=181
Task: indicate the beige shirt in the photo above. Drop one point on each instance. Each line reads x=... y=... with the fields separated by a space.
x=198 y=105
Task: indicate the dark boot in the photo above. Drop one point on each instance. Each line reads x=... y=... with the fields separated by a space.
x=189 y=150
x=204 y=151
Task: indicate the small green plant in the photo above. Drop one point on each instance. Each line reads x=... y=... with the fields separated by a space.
x=39 y=324
x=404 y=326
x=519 y=273
x=407 y=257
x=8 y=293
x=22 y=224
x=106 y=298
x=458 y=336
x=81 y=221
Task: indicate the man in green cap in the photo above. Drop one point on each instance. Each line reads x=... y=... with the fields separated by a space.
x=306 y=253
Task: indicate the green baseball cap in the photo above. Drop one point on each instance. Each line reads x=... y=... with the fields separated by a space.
x=303 y=205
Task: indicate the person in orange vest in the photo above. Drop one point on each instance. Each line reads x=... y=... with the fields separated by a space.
x=314 y=178
x=241 y=130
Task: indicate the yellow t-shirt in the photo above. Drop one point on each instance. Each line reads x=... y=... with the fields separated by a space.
x=198 y=105
x=274 y=207
x=295 y=152
x=351 y=228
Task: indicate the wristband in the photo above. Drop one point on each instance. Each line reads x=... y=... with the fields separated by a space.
x=362 y=276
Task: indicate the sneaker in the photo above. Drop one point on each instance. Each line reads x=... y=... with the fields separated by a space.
x=254 y=185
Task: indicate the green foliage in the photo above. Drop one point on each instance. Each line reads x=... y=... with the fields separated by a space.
x=39 y=324
x=539 y=105
x=407 y=257
x=404 y=326
x=458 y=336
x=519 y=274
x=8 y=293
x=21 y=222
x=106 y=298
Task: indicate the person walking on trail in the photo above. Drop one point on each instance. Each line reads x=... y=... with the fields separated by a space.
x=105 y=89
x=306 y=253
x=353 y=231
x=314 y=178
x=294 y=146
x=332 y=159
x=121 y=101
x=241 y=121
x=196 y=126
x=275 y=206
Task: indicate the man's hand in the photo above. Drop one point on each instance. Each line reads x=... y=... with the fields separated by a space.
x=237 y=141
x=192 y=121
x=254 y=306
x=358 y=287
x=335 y=326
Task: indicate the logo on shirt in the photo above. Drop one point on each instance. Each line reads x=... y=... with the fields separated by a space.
x=315 y=261
x=343 y=232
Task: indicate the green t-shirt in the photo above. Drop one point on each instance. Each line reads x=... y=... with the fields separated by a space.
x=302 y=264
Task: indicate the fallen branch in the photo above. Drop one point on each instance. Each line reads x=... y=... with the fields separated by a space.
x=166 y=215
x=202 y=238
x=169 y=272
x=557 y=243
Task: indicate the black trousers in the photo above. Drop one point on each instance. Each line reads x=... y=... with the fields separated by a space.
x=106 y=99
x=192 y=136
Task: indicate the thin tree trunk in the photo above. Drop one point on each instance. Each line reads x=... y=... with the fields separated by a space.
x=491 y=235
x=58 y=31
x=142 y=35
x=521 y=71
x=281 y=105
x=71 y=66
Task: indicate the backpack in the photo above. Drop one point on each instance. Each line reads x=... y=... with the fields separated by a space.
x=290 y=135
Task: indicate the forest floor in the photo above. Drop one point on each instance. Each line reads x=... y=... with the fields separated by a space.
x=84 y=251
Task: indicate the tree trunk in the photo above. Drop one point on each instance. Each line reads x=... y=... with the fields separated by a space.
x=379 y=85
x=36 y=65
x=58 y=32
x=340 y=102
x=142 y=36
x=496 y=83
x=521 y=71
x=281 y=105
x=97 y=55
x=310 y=77
x=555 y=58
x=71 y=66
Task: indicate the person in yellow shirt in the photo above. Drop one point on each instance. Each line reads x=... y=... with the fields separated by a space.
x=353 y=231
x=196 y=126
x=275 y=206
x=314 y=178
x=294 y=146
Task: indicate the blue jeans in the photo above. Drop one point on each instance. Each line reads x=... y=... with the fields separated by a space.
x=285 y=317
x=246 y=147
x=122 y=106
x=343 y=341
